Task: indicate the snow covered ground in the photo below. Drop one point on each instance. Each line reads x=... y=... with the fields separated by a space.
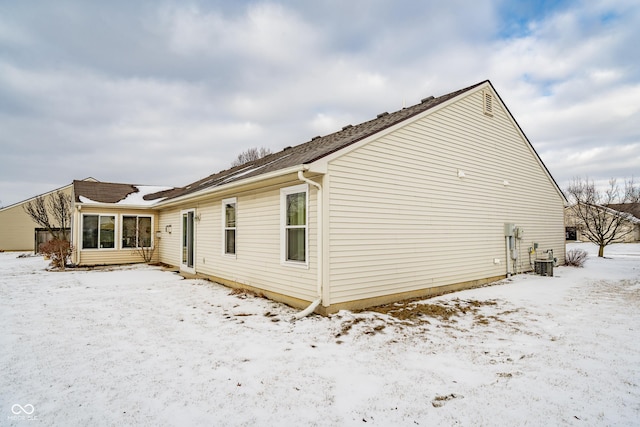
x=140 y=346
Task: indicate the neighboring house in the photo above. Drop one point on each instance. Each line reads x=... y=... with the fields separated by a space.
x=629 y=230
x=633 y=224
x=18 y=232
x=412 y=203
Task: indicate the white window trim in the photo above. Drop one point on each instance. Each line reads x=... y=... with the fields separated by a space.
x=116 y=235
x=225 y=202
x=153 y=240
x=284 y=192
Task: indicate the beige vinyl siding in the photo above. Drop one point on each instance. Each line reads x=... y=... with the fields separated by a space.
x=257 y=260
x=115 y=255
x=401 y=219
x=170 y=242
x=17 y=229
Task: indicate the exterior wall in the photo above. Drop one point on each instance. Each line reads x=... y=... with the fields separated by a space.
x=169 y=243
x=401 y=219
x=118 y=255
x=17 y=229
x=257 y=263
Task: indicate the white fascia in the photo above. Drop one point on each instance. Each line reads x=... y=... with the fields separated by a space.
x=231 y=185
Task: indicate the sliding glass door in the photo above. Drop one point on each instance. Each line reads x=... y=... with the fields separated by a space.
x=188 y=240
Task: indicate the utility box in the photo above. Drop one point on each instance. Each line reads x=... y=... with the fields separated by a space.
x=518 y=233
x=544 y=267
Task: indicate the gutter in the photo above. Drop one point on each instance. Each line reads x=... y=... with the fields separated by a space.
x=319 y=241
x=113 y=206
x=231 y=185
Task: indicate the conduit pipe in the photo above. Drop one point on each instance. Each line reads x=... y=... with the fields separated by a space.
x=508 y=254
x=319 y=255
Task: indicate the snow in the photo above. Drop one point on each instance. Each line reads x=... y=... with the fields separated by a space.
x=86 y=200
x=137 y=198
x=140 y=346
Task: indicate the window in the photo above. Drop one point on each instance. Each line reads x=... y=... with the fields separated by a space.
x=136 y=231
x=98 y=231
x=294 y=218
x=229 y=207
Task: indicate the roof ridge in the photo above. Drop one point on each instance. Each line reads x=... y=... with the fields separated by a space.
x=318 y=147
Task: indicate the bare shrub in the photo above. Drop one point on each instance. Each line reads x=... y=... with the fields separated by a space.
x=576 y=257
x=59 y=251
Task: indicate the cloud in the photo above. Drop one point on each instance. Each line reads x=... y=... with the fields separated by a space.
x=570 y=86
x=266 y=32
x=168 y=93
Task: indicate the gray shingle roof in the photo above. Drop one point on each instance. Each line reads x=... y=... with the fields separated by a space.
x=315 y=149
x=102 y=192
x=630 y=208
x=109 y=192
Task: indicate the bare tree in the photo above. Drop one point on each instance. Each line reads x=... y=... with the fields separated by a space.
x=54 y=213
x=601 y=224
x=250 y=155
x=631 y=191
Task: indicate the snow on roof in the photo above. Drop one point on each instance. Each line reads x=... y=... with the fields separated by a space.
x=135 y=198
x=138 y=197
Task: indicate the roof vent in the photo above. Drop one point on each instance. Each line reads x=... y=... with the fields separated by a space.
x=347 y=127
x=286 y=148
x=487 y=103
x=427 y=99
x=315 y=137
x=382 y=114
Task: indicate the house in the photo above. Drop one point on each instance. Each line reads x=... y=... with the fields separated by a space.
x=632 y=211
x=629 y=230
x=439 y=196
x=24 y=234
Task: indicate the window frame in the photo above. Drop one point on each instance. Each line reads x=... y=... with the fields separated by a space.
x=225 y=227
x=284 y=192
x=137 y=217
x=115 y=234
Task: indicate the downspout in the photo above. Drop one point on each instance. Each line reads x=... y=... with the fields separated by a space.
x=319 y=249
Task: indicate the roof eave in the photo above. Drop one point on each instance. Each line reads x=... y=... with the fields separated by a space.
x=544 y=166
x=241 y=182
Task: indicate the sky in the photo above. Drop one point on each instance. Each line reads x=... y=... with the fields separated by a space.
x=166 y=93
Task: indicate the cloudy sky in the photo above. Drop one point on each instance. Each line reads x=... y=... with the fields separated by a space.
x=165 y=93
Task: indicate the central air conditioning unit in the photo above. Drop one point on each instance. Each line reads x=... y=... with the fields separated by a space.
x=544 y=267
